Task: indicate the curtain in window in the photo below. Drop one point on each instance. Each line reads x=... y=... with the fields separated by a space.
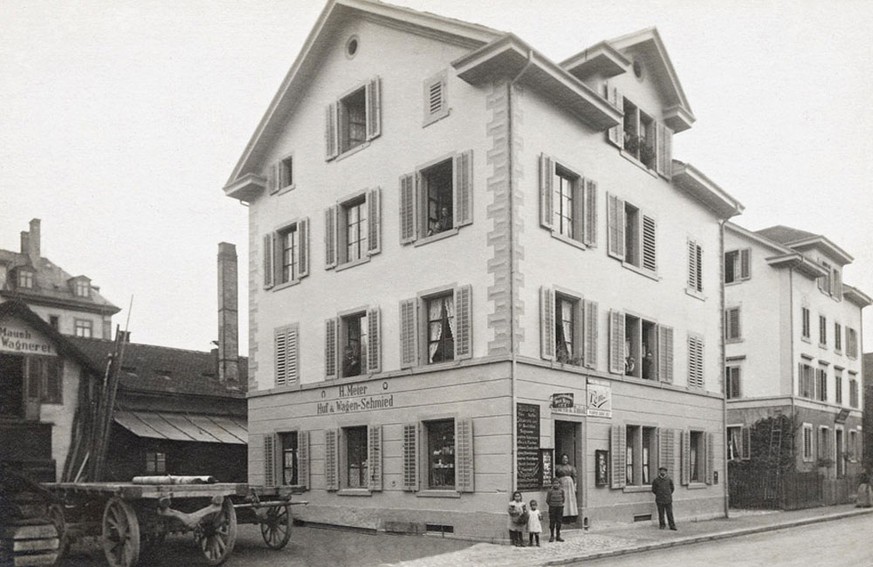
x=434 y=315
x=441 y=314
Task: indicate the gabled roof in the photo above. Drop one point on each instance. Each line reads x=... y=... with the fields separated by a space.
x=52 y=285
x=650 y=46
x=691 y=180
x=800 y=240
x=335 y=13
x=65 y=346
x=158 y=369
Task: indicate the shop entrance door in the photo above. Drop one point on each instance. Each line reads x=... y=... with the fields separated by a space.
x=568 y=441
x=11 y=386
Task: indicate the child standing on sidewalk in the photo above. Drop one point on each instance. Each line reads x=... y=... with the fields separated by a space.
x=555 y=501
x=517 y=519
x=534 y=524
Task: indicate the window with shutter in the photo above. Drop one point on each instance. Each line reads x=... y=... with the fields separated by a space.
x=330 y=255
x=632 y=235
x=709 y=451
x=269 y=460
x=436 y=104
x=410 y=457
x=618 y=451
x=269 y=240
x=686 y=458
x=695 y=361
x=737 y=265
x=374 y=211
x=732 y=324
x=732 y=382
x=665 y=354
x=287 y=369
x=288 y=249
x=568 y=203
x=464 y=450
x=590 y=237
x=353 y=229
x=640 y=348
x=615 y=134
x=374 y=347
x=303 y=459
x=408 y=333
x=667 y=450
x=591 y=334
x=463 y=322
x=695 y=267
x=615 y=226
x=330 y=349
x=437 y=199
x=547 y=323
x=616 y=342
x=354 y=119
x=355 y=462
x=374 y=458
x=331 y=474
x=354 y=343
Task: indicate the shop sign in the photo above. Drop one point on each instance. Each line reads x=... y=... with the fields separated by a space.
x=528 y=463
x=599 y=398
x=842 y=416
x=562 y=400
x=354 y=398
x=19 y=339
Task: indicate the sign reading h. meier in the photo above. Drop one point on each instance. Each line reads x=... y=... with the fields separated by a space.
x=353 y=398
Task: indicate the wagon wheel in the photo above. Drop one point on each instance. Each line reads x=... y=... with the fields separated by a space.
x=276 y=527
x=56 y=517
x=120 y=534
x=216 y=534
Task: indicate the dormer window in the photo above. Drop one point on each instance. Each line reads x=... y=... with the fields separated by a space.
x=831 y=284
x=25 y=279
x=82 y=288
x=641 y=136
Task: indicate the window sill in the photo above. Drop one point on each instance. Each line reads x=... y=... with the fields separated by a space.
x=637 y=488
x=352 y=264
x=634 y=160
x=697 y=485
x=571 y=241
x=821 y=346
x=438 y=236
x=350 y=152
x=436 y=117
x=435 y=493
x=354 y=492
x=284 y=189
x=806 y=340
x=695 y=294
x=285 y=285
x=733 y=341
x=640 y=271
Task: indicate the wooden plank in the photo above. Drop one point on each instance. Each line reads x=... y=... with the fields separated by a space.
x=28 y=532
x=48 y=544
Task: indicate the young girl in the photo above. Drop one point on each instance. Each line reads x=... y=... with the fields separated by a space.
x=534 y=524
x=517 y=509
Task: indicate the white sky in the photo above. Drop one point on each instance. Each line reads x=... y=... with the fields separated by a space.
x=121 y=120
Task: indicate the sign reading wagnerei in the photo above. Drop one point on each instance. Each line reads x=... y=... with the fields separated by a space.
x=528 y=447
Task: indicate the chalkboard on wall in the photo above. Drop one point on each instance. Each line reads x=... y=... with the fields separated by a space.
x=528 y=462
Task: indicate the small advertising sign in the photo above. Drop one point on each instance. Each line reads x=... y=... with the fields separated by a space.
x=599 y=398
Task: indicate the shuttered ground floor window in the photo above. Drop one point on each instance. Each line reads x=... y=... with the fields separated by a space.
x=634 y=448
x=438 y=455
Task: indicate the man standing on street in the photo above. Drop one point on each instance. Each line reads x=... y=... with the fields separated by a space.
x=663 y=489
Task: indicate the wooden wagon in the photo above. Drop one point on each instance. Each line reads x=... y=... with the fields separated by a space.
x=132 y=517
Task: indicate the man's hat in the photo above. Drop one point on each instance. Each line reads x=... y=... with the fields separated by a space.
x=662 y=468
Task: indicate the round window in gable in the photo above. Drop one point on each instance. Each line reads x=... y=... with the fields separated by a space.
x=352 y=46
x=638 y=69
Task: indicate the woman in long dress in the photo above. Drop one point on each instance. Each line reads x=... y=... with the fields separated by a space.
x=566 y=473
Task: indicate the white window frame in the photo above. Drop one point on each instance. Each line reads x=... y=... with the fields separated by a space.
x=25 y=279
x=625 y=219
x=415 y=225
x=805 y=324
x=336 y=229
x=744 y=439
x=824 y=444
x=556 y=174
x=838 y=338
x=807 y=443
x=336 y=120
x=733 y=373
x=733 y=331
x=83 y=328
x=740 y=263
x=822 y=331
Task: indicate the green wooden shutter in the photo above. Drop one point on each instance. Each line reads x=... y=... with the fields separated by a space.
x=269 y=243
x=303 y=467
x=330 y=134
x=303 y=254
x=590 y=232
x=410 y=457
x=374 y=108
x=408 y=333
x=591 y=334
x=665 y=354
x=616 y=342
x=686 y=458
x=374 y=337
x=650 y=259
x=463 y=187
x=330 y=348
x=463 y=322
x=374 y=457
x=269 y=459
x=407 y=208
x=615 y=227
x=547 y=170
x=331 y=470
x=330 y=230
x=547 y=323
x=465 y=473
x=709 y=449
x=618 y=451
x=374 y=221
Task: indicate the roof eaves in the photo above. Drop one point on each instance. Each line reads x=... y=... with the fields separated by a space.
x=757 y=238
x=857 y=296
x=799 y=263
x=691 y=180
x=825 y=242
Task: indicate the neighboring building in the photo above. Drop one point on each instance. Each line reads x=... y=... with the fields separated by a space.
x=71 y=305
x=792 y=347
x=42 y=377
x=172 y=413
x=868 y=411
x=468 y=260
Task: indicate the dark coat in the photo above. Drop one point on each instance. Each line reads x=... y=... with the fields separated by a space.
x=663 y=489
x=555 y=497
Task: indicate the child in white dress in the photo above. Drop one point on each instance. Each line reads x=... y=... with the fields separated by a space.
x=534 y=523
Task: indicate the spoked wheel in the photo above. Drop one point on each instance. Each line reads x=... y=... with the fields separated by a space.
x=121 y=539
x=216 y=534
x=56 y=516
x=276 y=528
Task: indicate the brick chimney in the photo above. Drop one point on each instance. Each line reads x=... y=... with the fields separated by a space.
x=228 y=315
x=33 y=245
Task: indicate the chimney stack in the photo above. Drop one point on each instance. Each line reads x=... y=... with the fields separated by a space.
x=34 y=242
x=228 y=315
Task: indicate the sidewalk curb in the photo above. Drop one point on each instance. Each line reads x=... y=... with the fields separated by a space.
x=710 y=537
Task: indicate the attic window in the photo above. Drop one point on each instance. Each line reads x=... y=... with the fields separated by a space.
x=25 y=279
x=83 y=288
x=352 y=46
